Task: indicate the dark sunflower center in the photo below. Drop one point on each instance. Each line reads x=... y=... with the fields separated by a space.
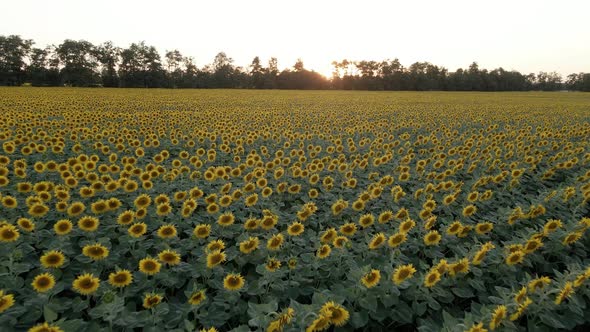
x=43 y=282
x=120 y=278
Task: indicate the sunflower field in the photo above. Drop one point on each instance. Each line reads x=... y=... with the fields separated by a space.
x=237 y=210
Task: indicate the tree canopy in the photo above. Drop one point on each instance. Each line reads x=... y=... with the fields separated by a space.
x=80 y=63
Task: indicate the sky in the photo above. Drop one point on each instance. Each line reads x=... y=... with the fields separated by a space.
x=524 y=35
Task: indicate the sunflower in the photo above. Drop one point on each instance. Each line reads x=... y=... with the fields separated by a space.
x=572 y=237
x=169 y=257
x=45 y=327
x=62 y=227
x=126 y=217
x=149 y=266
x=75 y=209
x=233 y=282
x=43 y=282
x=515 y=257
x=371 y=279
x=26 y=224
x=86 y=284
x=251 y=200
x=358 y=205
x=120 y=278
x=366 y=220
x=140 y=213
x=215 y=245
x=401 y=273
x=565 y=292
x=442 y=266
x=406 y=226
x=137 y=229
x=336 y=313
x=268 y=222
x=340 y=242
x=323 y=251
x=272 y=264
x=163 y=209
x=226 y=219
x=483 y=227
x=52 y=259
x=212 y=208
x=142 y=201
x=151 y=300
x=202 y=231
x=88 y=224
x=295 y=229
x=38 y=210
x=521 y=308
x=377 y=241
x=251 y=224
x=538 y=283
x=532 y=245
x=432 y=238
x=462 y=266
x=319 y=324
x=429 y=223
x=8 y=233
x=497 y=317
x=385 y=217
x=469 y=210
x=477 y=328
x=432 y=278
x=329 y=235
x=249 y=245
x=339 y=206
x=99 y=207
x=10 y=202
x=454 y=228
x=520 y=296
x=479 y=256
x=167 y=231
x=348 y=229
x=551 y=226
x=212 y=329
x=197 y=297
x=95 y=251
x=396 y=239
x=275 y=242
x=215 y=258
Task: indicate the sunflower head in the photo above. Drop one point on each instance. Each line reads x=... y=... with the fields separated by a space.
x=43 y=282
x=52 y=259
x=120 y=278
x=151 y=300
x=233 y=282
x=86 y=284
x=197 y=297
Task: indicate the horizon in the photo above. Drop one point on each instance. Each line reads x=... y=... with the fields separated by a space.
x=515 y=44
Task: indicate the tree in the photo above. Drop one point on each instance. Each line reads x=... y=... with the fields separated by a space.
x=141 y=67
x=298 y=66
x=257 y=74
x=108 y=56
x=78 y=63
x=13 y=52
x=174 y=61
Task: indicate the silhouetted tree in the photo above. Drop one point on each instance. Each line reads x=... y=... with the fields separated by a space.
x=13 y=51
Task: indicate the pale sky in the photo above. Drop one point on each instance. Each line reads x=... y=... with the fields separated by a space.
x=526 y=35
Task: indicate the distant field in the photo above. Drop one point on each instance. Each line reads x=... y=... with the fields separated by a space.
x=249 y=210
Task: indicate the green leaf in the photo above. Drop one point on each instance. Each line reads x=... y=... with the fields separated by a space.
x=359 y=319
x=48 y=314
x=463 y=292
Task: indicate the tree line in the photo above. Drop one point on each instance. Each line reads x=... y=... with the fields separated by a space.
x=80 y=63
